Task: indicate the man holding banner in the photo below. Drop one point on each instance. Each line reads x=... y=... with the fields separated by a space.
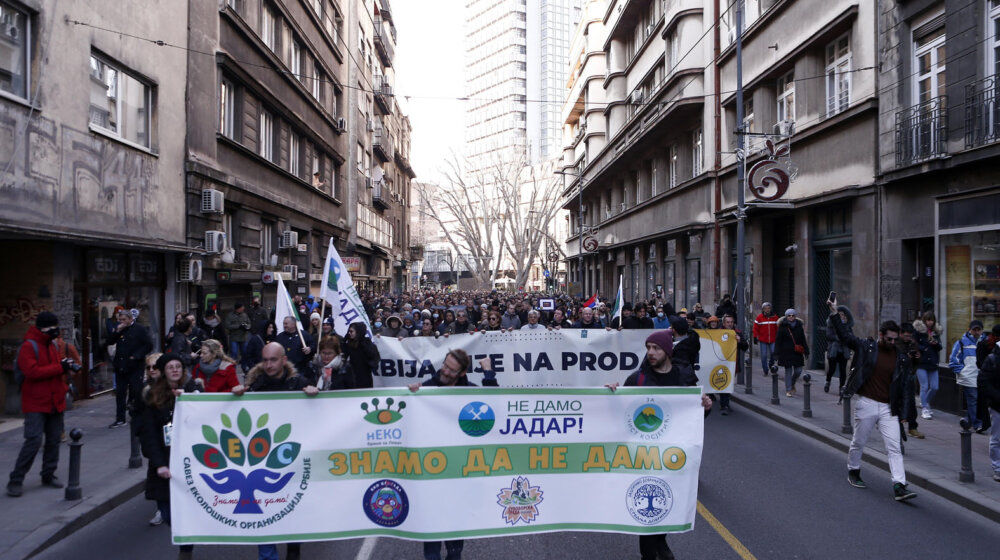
x=657 y=370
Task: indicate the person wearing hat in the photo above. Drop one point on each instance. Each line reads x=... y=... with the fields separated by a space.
x=238 y=327
x=132 y=343
x=43 y=401
x=315 y=327
x=394 y=328
x=659 y=370
x=963 y=362
x=791 y=348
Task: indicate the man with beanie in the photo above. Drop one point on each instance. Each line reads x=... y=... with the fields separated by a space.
x=133 y=343
x=877 y=376
x=657 y=370
x=963 y=363
x=43 y=401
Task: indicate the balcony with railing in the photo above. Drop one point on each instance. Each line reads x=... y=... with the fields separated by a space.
x=383 y=94
x=380 y=195
x=385 y=36
x=982 y=112
x=382 y=144
x=922 y=131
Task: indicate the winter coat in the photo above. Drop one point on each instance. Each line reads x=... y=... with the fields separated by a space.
x=963 y=361
x=132 y=345
x=660 y=324
x=218 y=332
x=790 y=334
x=687 y=350
x=238 y=325
x=989 y=379
x=222 y=381
x=44 y=387
x=294 y=350
x=258 y=381
x=680 y=375
x=461 y=328
x=834 y=350
x=435 y=381
x=765 y=328
x=510 y=321
x=727 y=307
x=339 y=377
x=930 y=349
x=150 y=431
x=255 y=348
x=364 y=358
x=596 y=324
x=863 y=365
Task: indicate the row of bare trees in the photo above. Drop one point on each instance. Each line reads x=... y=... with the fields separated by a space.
x=496 y=218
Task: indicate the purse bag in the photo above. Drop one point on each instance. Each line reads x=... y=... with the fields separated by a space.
x=799 y=349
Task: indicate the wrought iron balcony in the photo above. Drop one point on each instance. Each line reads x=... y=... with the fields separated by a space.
x=383 y=95
x=379 y=198
x=982 y=112
x=922 y=131
x=382 y=144
x=385 y=36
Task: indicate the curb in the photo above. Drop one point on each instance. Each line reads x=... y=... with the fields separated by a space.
x=67 y=524
x=952 y=491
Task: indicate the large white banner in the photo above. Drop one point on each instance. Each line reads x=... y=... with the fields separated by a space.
x=442 y=463
x=556 y=358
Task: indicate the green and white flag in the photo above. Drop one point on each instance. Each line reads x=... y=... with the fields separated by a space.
x=284 y=307
x=617 y=312
x=338 y=289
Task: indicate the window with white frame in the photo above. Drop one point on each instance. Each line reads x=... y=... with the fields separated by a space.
x=294 y=150
x=786 y=97
x=672 y=155
x=227 y=108
x=674 y=54
x=697 y=152
x=929 y=51
x=265 y=135
x=119 y=102
x=652 y=177
x=15 y=51
x=295 y=58
x=361 y=158
x=318 y=79
x=266 y=241
x=993 y=42
x=838 y=75
x=269 y=28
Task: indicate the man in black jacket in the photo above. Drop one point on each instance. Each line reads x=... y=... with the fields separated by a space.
x=878 y=377
x=659 y=371
x=299 y=346
x=452 y=374
x=132 y=343
x=989 y=391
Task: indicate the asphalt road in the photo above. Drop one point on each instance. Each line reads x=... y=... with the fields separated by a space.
x=770 y=493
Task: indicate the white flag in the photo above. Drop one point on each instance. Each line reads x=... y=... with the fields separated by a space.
x=339 y=291
x=284 y=306
x=616 y=313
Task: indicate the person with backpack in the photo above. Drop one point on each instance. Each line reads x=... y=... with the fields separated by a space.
x=658 y=370
x=42 y=376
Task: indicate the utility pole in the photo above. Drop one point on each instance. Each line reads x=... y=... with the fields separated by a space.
x=741 y=209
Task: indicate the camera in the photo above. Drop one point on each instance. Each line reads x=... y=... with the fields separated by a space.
x=71 y=365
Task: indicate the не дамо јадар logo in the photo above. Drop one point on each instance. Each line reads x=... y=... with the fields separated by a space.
x=476 y=419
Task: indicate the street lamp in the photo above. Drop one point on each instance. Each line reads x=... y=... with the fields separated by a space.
x=579 y=222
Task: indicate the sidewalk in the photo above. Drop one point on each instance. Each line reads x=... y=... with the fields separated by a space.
x=932 y=463
x=42 y=516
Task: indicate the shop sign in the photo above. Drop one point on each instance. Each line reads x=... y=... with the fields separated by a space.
x=105 y=266
x=353 y=264
x=144 y=268
x=267 y=277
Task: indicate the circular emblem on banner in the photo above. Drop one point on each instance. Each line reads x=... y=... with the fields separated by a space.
x=648 y=418
x=385 y=503
x=720 y=377
x=476 y=419
x=649 y=500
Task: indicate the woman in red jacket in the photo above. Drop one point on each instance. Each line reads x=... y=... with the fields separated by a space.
x=215 y=371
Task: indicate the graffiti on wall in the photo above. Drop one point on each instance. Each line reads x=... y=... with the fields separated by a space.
x=22 y=310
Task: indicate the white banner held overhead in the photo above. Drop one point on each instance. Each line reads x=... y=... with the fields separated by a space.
x=556 y=358
x=280 y=467
x=338 y=289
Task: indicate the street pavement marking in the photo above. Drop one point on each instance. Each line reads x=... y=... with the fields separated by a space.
x=366 y=550
x=733 y=542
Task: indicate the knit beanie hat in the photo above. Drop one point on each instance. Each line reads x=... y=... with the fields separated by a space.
x=46 y=319
x=663 y=340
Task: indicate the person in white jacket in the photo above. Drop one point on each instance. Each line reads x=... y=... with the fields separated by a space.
x=963 y=363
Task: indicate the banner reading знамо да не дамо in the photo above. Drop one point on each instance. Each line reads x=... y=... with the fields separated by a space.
x=276 y=467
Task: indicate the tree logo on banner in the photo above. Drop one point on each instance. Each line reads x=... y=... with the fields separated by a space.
x=231 y=455
x=520 y=501
x=719 y=379
x=648 y=419
x=383 y=416
x=649 y=500
x=476 y=419
x=385 y=503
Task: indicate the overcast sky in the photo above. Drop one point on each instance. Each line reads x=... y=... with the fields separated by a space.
x=428 y=64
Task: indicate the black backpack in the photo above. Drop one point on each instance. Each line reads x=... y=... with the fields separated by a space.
x=18 y=374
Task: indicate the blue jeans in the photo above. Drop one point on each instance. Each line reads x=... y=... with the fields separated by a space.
x=971 y=395
x=237 y=349
x=766 y=356
x=928 y=385
x=791 y=376
x=995 y=440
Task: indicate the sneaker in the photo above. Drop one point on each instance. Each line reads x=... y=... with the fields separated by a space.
x=52 y=482
x=14 y=489
x=926 y=414
x=915 y=433
x=964 y=424
x=901 y=493
x=826 y=387
x=982 y=430
x=724 y=411
x=788 y=394
x=854 y=478
x=117 y=424
x=157 y=519
x=996 y=476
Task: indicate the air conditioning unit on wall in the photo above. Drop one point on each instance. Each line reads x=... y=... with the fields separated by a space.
x=289 y=240
x=215 y=242
x=212 y=201
x=190 y=270
x=291 y=271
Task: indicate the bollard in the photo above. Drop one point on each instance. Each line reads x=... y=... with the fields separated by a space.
x=847 y=428
x=135 y=456
x=73 y=490
x=748 y=378
x=806 y=411
x=774 y=388
x=966 y=474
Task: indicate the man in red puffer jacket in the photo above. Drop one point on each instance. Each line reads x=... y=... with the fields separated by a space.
x=43 y=401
